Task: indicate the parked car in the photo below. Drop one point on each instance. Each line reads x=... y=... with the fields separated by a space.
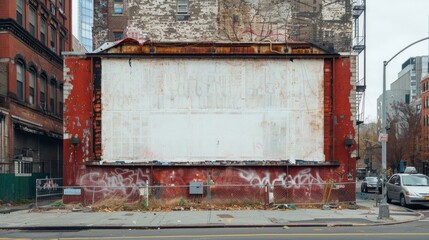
x=370 y=184
x=408 y=189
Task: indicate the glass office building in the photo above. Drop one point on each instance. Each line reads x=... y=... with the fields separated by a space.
x=85 y=21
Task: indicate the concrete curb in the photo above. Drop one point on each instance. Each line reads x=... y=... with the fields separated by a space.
x=290 y=225
x=418 y=216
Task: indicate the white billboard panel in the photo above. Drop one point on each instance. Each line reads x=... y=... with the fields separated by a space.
x=179 y=110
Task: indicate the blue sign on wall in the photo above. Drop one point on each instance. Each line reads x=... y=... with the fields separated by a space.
x=72 y=191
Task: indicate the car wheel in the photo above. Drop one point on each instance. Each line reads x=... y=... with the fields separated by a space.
x=365 y=189
x=402 y=201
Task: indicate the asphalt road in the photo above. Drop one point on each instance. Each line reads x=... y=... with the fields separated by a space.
x=409 y=231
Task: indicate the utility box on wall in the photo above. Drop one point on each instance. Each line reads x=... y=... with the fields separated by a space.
x=195 y=188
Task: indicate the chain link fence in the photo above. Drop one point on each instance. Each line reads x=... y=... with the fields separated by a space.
x=212 y=196
x=48 y=189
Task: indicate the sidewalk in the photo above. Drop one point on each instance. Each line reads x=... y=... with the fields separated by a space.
x=367 y=214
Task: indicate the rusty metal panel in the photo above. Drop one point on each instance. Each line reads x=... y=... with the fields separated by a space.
x=195 y=110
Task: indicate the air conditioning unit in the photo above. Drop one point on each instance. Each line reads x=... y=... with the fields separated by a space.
x=182 y=17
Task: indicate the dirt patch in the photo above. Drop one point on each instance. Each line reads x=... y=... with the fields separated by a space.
x=116 y=204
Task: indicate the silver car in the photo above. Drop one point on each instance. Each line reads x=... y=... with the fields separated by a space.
x=371 y=184
x=408 y=189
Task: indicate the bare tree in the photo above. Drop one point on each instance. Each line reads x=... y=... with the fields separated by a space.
x=404 y=134
x=369 y=147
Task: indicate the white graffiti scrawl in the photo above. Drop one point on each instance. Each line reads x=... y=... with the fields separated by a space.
x=125 y=182
x=304 y=180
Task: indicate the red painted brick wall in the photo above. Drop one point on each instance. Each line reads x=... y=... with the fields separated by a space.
x=287 y=183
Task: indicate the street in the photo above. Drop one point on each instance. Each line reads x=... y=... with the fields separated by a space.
x=413 y=230
x=410 y=229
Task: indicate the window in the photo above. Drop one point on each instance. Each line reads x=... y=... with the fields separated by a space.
x=53 y=42
x=23 y=168
x=32 y=86
x=61 y=7
x=61 y=46
x=32 y=22
x=117 y=35
x=61 y=102
x=52 y=94
x=43 y=80
x=20 y=77
x=20 y=12
x=52 y=8
x=182 y=6
x=118 y=7
x=43 y=30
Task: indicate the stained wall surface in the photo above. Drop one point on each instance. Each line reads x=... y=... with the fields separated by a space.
x=322 y=21
x=180 y=110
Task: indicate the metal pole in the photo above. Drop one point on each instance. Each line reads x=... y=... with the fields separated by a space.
x=384 y=207
x=383 y=210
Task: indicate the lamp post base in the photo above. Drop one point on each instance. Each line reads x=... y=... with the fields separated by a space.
x=383 y=211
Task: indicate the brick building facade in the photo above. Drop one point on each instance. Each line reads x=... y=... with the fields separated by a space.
x=327 y=23
x=425 y=124
x=33 y=34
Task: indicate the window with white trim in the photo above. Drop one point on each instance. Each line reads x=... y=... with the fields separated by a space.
x=43 y=31
x=32 y=86
x=182 y=6
x=32 y=22
x=20 y=12
x=61 y=102
x=20 y=76
x=53 y=44
x=52 y=94
x=118 y=7
x=43 y=81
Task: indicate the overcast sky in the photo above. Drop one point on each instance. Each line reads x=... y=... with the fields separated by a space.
x=391 y=26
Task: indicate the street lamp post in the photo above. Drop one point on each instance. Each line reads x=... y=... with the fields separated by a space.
x=384 y=212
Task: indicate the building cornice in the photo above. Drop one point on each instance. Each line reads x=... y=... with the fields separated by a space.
x=11 y=26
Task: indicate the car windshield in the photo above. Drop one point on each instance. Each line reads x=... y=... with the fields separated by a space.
x=415 y=180
x=371 y=179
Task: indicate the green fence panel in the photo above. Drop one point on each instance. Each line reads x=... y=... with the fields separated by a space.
x=13 y=188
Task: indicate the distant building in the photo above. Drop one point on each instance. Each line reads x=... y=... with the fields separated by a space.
x=33 y=36
x=412 y=73
x=407 y=88
x=425 y=115
x=85 y=12
x=77 y=46
x=392 y=96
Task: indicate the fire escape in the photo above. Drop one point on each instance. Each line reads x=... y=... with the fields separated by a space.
x=359 y=47
x=359 y=40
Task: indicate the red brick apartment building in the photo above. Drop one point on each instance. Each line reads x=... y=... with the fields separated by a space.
x=425 y=123
x=33 y=33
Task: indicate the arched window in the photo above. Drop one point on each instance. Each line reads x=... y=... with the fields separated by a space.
x=32 y=84
x=20 y=80
x=61 y=100
x=52 y=94
x=42 y=90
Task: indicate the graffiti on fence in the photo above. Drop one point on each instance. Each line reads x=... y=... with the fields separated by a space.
x=304 y=178
x=125 y=182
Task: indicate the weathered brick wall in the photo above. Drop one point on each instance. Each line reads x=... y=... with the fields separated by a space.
x=327 y=22
x=159 y=19
x=100 y=29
